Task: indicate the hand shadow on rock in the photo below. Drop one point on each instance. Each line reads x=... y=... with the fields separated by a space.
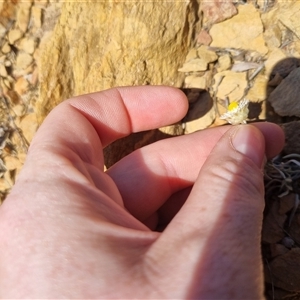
x=200 y=103
x=283 y=89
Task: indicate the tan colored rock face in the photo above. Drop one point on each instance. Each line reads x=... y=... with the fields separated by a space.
x=96 y=46
x=243 y=31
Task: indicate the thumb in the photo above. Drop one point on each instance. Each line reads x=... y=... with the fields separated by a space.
x=216 y=234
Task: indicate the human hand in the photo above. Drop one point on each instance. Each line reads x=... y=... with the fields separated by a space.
x=70 y=230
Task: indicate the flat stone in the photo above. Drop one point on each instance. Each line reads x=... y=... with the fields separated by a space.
x=36 y=15
x=282 y=69
x=29 y=126
x=203 y=38
x=5 y=48
x=273 y=36
x=19 y=109
x=3 y=71
x=2 y=31
x=23 y=60
x=41 y=3
x=8 y=11
x=7 y=63
x=207 y=55
x=274 y=57
x=248 y=22
x=194 y=65
x=27 y=45
x=232 y=85
x=12 y=163
x=23 y=15
x=21 y=86
x=192 y=54
x=12 y=96
x=217 y=10
x=285 y=97
x=291 y=20
x=196 y=82
x=4 y=184
x=224 y=62
x=14 y=35
x=258 y=92
x=201 y=113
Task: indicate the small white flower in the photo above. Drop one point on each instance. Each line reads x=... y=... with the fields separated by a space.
x=237 y=112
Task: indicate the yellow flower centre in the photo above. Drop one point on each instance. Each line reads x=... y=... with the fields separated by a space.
x=233 y=105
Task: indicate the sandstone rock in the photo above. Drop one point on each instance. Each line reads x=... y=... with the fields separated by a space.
x=274 y=57
x=285 y=270
x=4 y=184
x=7 y=63
x=23 y=60
x=285 y=97
x=230 y=84
x=23 y=15
x=290 y=20
x=248 y=22
x=201 y=113
x=27 y=45
x=33 y=77
x=12 y=163
x=5 y=48
x=3 y=71
x=195 y=82
x=36 y=15
x=2 y=31
x=224 y=62
x=194 y=65
x=207 y=55
x=258 y=91
x=12 y=96
x=19 y=110
x=192 y=54
x=8 y=10
x=147 y=46
x=21 y=86
x=41 y=3
x=14 y=35
x=217 y=10
x=29 y=126
x=203 y=38
x=273 y=36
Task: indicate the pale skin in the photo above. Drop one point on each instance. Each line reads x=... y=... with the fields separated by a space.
x=70 y=230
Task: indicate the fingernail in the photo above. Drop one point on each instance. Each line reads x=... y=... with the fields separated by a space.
x=249 y=141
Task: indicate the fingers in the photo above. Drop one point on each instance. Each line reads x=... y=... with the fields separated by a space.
x=171 y=165
x=218 y=227
x=79 y=124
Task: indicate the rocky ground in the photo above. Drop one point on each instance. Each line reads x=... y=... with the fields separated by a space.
x=243 y=50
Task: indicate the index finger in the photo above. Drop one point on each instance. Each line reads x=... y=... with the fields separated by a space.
x=89 y=122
